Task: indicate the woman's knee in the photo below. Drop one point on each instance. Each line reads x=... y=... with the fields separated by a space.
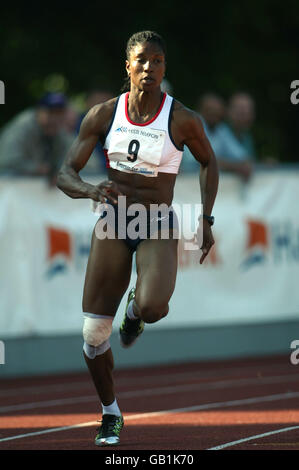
x=151 y=312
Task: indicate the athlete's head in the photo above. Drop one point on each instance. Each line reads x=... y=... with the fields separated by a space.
x=145 y=62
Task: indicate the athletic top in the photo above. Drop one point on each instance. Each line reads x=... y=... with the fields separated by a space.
x=147 y=148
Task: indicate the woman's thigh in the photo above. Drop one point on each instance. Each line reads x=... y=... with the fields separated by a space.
x=156 y=262
x=107 y=277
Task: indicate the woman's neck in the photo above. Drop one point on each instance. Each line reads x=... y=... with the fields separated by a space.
x=143 y=105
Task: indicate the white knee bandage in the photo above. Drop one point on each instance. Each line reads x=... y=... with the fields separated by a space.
x=97 y=330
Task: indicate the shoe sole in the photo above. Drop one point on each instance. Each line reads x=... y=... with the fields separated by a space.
x=106 y=444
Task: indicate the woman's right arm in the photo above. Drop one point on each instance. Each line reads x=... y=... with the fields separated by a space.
x=68 y=179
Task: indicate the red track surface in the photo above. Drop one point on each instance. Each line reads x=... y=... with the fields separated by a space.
x=187 y=406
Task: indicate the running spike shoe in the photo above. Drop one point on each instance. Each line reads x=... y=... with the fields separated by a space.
x=108 y=432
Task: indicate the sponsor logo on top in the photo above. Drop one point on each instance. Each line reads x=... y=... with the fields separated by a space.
x=121 y=129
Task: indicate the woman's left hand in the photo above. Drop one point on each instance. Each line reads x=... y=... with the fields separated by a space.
x=207 y=239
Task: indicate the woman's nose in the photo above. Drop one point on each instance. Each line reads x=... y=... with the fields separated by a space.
x=147 y=65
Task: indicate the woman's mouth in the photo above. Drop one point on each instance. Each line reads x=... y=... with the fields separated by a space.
x=148 y=79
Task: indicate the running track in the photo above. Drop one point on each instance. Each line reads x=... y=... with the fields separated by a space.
x=250 y=404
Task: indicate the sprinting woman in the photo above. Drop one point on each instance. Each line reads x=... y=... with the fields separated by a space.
x=143 y=132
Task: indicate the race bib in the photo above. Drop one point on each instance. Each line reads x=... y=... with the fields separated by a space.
x=136 y=150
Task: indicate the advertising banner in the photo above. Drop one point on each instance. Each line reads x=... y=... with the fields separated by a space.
x=250 y=275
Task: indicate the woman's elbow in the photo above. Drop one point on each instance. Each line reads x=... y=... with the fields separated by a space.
x=59 y=179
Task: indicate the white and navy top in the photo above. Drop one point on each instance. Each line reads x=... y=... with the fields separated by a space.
x=147 y=148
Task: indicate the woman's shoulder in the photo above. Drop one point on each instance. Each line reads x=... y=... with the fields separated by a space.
x=103 y=110
x=182 y=111
x=184 y=116
x=99 y=116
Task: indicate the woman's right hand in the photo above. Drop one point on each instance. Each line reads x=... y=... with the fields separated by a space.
x=107 y=191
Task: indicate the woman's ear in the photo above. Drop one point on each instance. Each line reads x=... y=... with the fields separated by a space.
x=128 y=67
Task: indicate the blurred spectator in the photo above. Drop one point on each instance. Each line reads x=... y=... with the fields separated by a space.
x=211 y=109
x=34 y=143
x=93 y=97
x=71 y=119
x=212 y=112
x=236 y=152
x=97 y=96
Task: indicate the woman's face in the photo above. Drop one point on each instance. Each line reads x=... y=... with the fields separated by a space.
x=146 y=66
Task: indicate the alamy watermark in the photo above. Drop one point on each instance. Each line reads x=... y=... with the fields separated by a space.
x=2 y=353
x=180 y=221
x=294 y=358
x=295 y=94
x=2 y=92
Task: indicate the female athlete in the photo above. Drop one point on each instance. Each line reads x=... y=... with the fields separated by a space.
x=143 y=133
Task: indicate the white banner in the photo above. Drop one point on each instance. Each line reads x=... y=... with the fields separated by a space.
x=251 y=275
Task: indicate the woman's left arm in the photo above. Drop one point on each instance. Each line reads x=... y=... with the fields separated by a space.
x=195 y=139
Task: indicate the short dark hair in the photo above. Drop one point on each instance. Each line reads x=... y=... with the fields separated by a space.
x=140 y=38
x=145 y=36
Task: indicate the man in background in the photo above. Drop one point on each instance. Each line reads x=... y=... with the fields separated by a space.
x=211 y=109
x=34 y=143
x=235 y=148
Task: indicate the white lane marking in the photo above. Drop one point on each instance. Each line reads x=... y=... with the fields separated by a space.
x=221 y=384
x=47 y=431
x=207 y=406
x=257 y=436
x=85 y=383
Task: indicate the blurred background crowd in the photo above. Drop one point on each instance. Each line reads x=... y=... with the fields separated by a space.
x=232 y=65
x=35 y=142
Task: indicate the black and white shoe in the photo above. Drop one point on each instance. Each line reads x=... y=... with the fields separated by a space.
x=109 y=431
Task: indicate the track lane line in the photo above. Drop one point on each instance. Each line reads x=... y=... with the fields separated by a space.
x=225 y=404
x=257 y=436
x=173 y=389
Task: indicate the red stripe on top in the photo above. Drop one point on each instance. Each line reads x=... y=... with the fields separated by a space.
x=107 y=158
x=145 y=123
